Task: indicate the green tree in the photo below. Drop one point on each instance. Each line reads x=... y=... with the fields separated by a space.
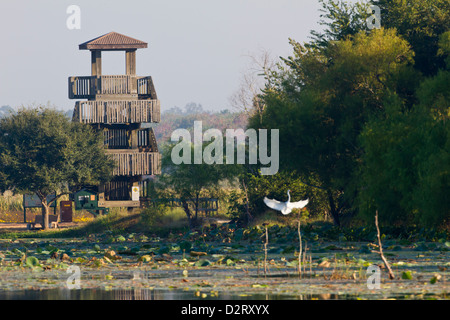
x=388 y=171
x=339 y=20
x=355 y=106
x=421 y=23
x=188 y=181
x=321 y=102
x=434 y=92
x=406 y=164
x=42 y=153
x=405 y=167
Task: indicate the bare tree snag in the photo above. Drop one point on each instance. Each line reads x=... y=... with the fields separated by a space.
x=386 y=263
x=300 y=250
x=247 y=206
x=265 y=252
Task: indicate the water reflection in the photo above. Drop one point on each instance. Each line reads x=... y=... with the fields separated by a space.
x=89 y=294
x=178 y=294
x=144 y=294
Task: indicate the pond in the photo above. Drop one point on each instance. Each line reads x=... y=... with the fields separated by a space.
x=127 y=269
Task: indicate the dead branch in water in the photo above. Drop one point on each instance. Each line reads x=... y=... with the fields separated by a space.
x=265 y=252
x=386 y=263
x=300 y=250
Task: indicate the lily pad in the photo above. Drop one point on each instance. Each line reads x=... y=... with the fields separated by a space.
x=365 y=249
x=407 y=275
x=435 y=278
x=32 y=261
x=292 y=263
x=202 y=263
x=164 y=249
x=185 y=245
x=145 y=258
x=121 y=238
x=230 y=262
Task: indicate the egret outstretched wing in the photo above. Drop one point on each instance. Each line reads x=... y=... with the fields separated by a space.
x=298 y=204
x=274 y=204
x=285 y=207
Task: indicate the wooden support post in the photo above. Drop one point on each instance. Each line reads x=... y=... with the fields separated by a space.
x=134 y=139
x=24 y=210
x=130 y=70
x=130 y=62
x=96 y=62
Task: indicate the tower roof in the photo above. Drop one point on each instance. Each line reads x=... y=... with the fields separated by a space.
x=113 y=41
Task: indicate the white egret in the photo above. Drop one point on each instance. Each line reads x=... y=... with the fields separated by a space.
x=285 y=207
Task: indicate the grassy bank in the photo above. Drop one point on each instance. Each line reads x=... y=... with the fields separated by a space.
x=170 y=222
x=160 y=221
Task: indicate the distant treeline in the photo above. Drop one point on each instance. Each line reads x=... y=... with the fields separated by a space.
x=7 y=110
x=176 y=118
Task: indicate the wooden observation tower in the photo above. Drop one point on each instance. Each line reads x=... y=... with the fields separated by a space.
x=120 y=106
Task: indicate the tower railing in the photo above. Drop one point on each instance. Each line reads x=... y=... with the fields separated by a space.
x=134 y=163
x=87 y=87
x=117 y=111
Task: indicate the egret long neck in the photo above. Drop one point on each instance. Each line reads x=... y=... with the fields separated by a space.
x=289 y=197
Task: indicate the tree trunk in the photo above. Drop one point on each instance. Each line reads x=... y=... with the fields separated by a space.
x=188 y=213
x=45 y=213
x=196 y=206
x=247 y=205
x=333 y=211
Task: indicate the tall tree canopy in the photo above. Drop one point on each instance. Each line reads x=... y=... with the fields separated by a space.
x=355 y=107
x=321 y=104
x=421 y=23
x=406 y=164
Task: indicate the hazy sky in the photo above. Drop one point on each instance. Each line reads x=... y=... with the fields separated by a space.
x=197 y=49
